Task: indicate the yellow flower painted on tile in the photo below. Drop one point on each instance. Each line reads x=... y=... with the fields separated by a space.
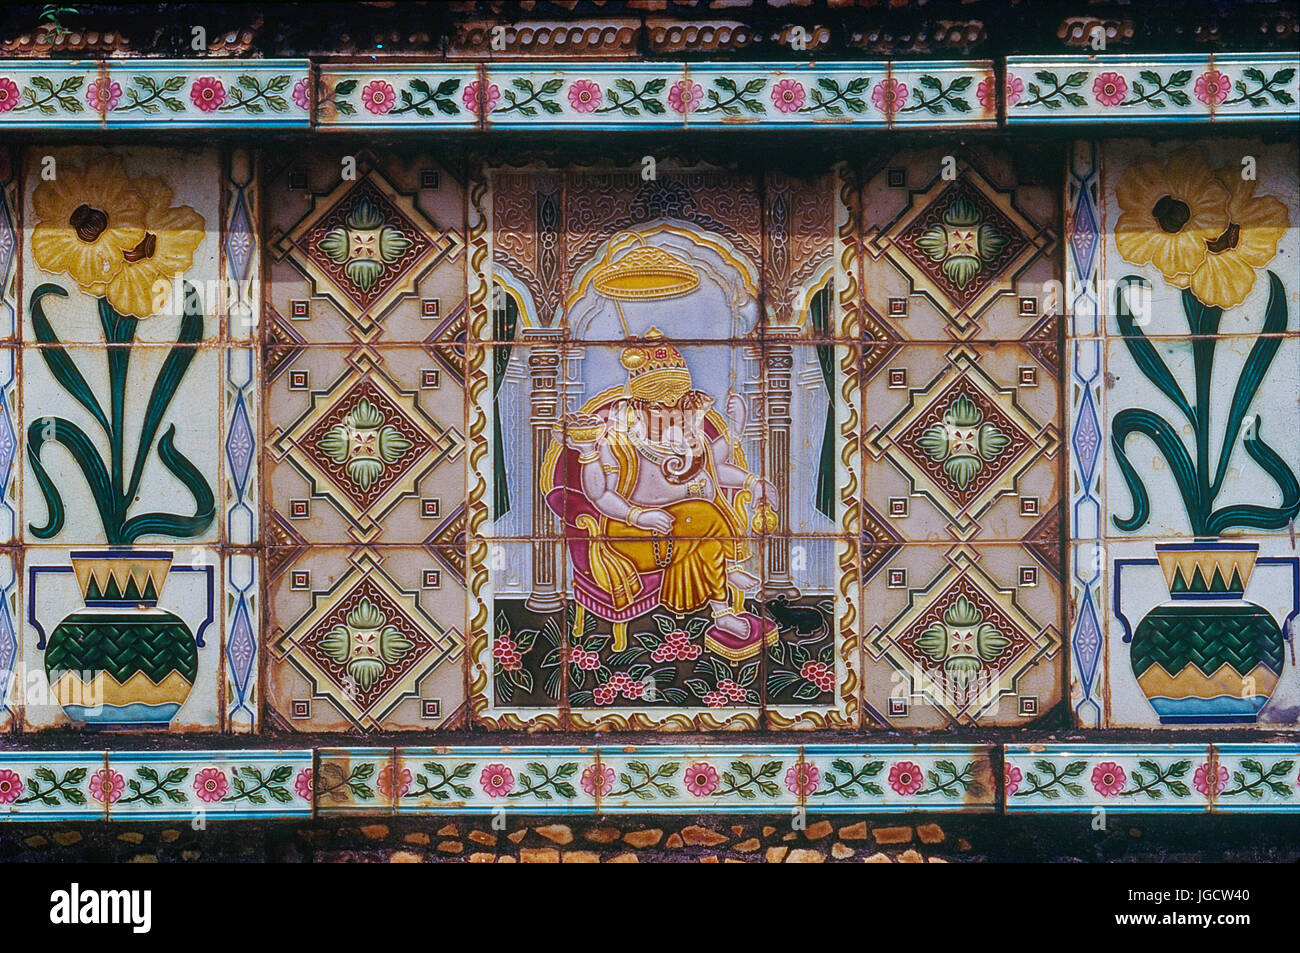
x=1169 y=212
x=1256 y=223
x=172 y=235
x=86 y=220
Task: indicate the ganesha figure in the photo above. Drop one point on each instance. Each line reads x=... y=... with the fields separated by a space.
x=657 y=496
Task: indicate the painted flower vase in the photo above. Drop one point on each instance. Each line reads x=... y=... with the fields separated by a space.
x=120 y=660
x=1207 y=656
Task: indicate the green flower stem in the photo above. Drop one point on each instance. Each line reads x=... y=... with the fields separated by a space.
x=1269 y=778
x=65 y=786
x=1053 y=778
x=948 y=787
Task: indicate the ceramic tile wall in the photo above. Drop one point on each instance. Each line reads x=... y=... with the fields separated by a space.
x=918 y=441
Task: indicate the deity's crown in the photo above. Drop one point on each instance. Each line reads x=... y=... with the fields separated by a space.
x=656 y=371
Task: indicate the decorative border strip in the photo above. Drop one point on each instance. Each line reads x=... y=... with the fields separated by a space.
x=144 y=94
x=154 y=785
x=465 y=780
x=618 y=96
x=1151 y=778
x=1162 y=88
x=651 y=779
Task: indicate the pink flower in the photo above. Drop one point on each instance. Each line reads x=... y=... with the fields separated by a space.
x=210 y=785
x=1011 y=779
x=788 y=96
x=207 y=93
x=905 y=778
x=302 y=786
x=1108 y=779
x=9 y=94
x=11 y=786
x=803 y=779
x=302 y=93
x=497 y=780
x=106 y=786
x=584 y=96
x=470 y=97
x=684 y=96
x=392 y=784
x=103 y=95
x=1208 y=783
x=378 y=96
x=1110 y=89
x=889 y=95
x=1212 y=87
x=597 y=779
x=701 y=779
x=1015 y=89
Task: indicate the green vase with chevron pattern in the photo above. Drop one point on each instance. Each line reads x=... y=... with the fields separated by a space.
x=121 y=661
x=1207 y=657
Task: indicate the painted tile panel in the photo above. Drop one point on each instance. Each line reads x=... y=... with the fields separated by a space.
x=368 y=445
x=586 y=96
x=443 y=96
x=1155 y=88
x=961 y=635
x=1122 y=778
x=947 y=94
x=366 y=638
x=961 y=246
x=54 y=785
x=129 y=639
x=889 y=778
x=142 y=94
x=62 y=93
x=1254 y=777
x=487 y=780
x=207 y=785
x=363 y=246
x=1088 y=89
x=1185 y=356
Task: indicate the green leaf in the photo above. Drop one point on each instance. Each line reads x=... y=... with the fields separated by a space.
x=420 y=86
x=551 y=86
x=345 y=87
x=960 y=83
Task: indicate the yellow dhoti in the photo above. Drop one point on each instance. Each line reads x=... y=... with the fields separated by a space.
x=693 y=559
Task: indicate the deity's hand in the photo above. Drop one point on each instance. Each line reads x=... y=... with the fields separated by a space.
x=582 y=432
x=764 y=493
x=737 y=410
x=655 y=520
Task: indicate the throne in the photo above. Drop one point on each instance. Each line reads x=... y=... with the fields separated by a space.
x=584 y=526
